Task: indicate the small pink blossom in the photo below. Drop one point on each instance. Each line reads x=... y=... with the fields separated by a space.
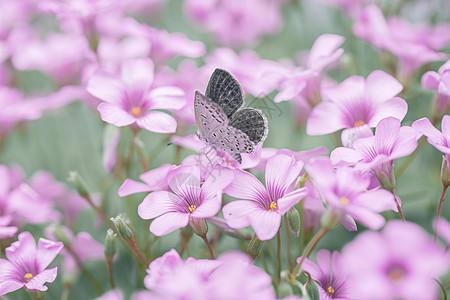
x=154 y=180
x=26 y=264
x=357 y=104
x=401 y=262
x=440 y=82
x=130 y=98
x=264 y=206
x=187 y=201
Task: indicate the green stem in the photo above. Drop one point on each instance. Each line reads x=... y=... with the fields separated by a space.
x=278 y=255
x=109 y=269
x=133 y=245
x=208 y=245
x=302 y=229
x=308 y=251
x=288 y=242
x=444 y=190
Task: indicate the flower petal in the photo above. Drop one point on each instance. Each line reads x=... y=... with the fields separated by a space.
x=158 y=203
x=342 y=154
x=46 y=252
x=325 y=118
x=377 y=200
x=281 y=171
x=157 y=121
x=209 y=207
x=323 y=259
x=37 y=282
x=236 y=213
x=138 y=73
x=106 y=87
x=367 y=217
x=265 y=223
x=130 y=186
x=395 y=107
x=217 y=181
x=115 y=115
x=246 y=186
x=169 y=222
x=289 y=200
x=425 y=127
x=381 y=86
x=22 y=251
x=167 y=97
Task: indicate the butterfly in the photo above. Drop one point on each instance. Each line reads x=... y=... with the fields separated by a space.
x=222 y=121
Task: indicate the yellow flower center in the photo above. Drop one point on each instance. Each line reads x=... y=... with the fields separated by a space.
x=396 y=274
x=330 y=290
x=273 y=206
x=358 y=123
x=192 y=208
x=28 y=276
x=344 y=200
x=136 y=111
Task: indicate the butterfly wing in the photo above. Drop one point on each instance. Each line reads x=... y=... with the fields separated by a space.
x=252 y=122
x=235 y=142
x=208 y=116
x=226 y=91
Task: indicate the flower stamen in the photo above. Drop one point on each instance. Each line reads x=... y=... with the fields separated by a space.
x=192 y=208
x=273 y=206
x=28 y=276
x=345 y=200
x=330 y=291
x=396 y=274
x=136 y=111
x=359 y=123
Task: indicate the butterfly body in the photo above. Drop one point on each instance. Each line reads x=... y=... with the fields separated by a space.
x=221 y=121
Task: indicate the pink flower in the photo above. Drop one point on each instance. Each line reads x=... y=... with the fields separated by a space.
x=441 y=83
x=412 y=45
x=377 y=153
x=352 y=7
x=265 y=205
x=26 y=264
x=130 y=99
x=235 y=22
x=154 y=180
x=440 y=140
x=114 y=294
x=187 y=201
x=330 y=273
x=346 y=193
x=357 y=105
x=401 y=262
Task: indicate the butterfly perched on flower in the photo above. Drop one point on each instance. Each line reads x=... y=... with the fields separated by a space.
x=222 y=121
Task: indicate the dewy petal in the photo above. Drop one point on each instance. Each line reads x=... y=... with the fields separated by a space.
x=158 y=203
x=22 y=251
x=106 y=87
x=37 y=282
x=115 y=115
x=265 y=223
x=236 y=213
x=130 y=186
x=138 y=73
x=169 y=222
x=381 y=86
x=289 y=200
x=246 y=186
x=281 y=171
x=46 y=252
x=167 y=97
x=325 y=118
x=425 y=127
x=157 y=121
x=396 y=107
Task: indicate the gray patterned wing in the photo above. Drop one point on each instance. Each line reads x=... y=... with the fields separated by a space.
x=208 y=116
x=235 y=142
x=226 y=91
x=252 y=122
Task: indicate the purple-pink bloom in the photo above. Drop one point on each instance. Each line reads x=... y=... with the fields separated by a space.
x=377 y=153
x=130 y=98
x=187 y=201
x=114 y=294
x=401 y=262
x=26 y=264
x=357 y=105
x=330 y=272
x=441 y=83
x=440 y=140
x=345 y=191
x=264 y=206
x=154 y=180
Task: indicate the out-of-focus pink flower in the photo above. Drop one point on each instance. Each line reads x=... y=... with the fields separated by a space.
x=265 y=205
x=440 y=140
x=352 y=7
x=441 y=83
x=235 y=22
x=413 y=46
x=377 y=153
x=129 y=98
x=26 y=264
x=443 y=229
x=79 y=249
x=357 y=105
x=330 y=273
x=346 y=193
x=111 y=138
x=114 y=294
x=187 y=201
x=15 y=14
x=401 y=262
x=60 y=55
x=154 y=180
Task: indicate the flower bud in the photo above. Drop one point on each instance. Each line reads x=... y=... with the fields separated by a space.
x=79 y=184
x=110 y=244
x=199 y=226
x=124 y=230
x=312 y=289
x=284 y=289
x=293 y=218
x=445 y=176
x=255 y=247
x=330 y=219
x=387 y=182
